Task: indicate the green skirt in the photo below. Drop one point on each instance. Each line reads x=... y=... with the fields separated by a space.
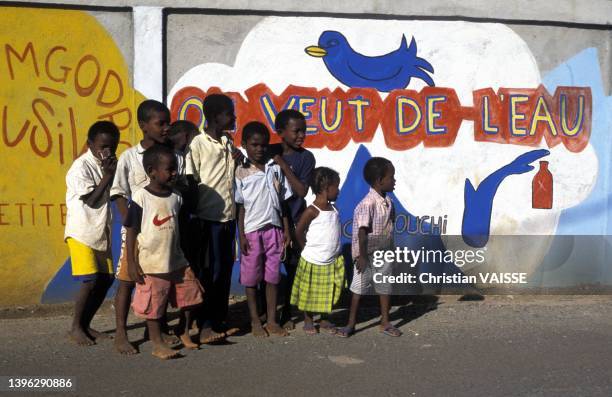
x=317 y=288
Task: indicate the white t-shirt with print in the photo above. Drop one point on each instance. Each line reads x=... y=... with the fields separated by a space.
x=155 y=218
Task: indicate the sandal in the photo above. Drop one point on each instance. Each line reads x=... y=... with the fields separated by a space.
x=329 y=329
x=345 y=332
x=310 y=329
x=390 y=330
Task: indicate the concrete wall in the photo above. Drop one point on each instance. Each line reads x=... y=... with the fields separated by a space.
x=127 y=53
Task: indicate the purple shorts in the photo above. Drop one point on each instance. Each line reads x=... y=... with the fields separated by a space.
x=262 y=261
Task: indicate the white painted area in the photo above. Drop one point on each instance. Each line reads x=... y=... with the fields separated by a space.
x=148 y=73
x=466 y=56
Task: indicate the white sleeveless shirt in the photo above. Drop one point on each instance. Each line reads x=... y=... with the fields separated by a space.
x=323 y=238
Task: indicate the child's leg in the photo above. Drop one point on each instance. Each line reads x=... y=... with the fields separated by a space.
x=352 y=321
x=291 y=263
x=326 y=325
x=385 y=323
x=102 y=283
x=256 y=328
x=78 y=332
x=122 y=308
x=183 y=329
x=271 y=324
x=160 y=349
x=309 y=327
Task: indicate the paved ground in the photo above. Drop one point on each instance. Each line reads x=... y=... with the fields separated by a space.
x=502 y=346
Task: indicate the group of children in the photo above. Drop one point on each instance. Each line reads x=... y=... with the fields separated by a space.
x=183 y=196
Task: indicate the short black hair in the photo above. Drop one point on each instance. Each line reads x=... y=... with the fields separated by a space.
x=215 y=104
x=283 y=117
x=254 y=128
x=375 y=169
x=321 y=178
x=102 y=127
x=146 y=108
x=182 y=126
x=151 y=156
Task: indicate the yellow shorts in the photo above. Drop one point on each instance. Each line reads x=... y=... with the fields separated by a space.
x=87 y=261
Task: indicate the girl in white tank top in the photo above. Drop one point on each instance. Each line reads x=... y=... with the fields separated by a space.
x=320 y=274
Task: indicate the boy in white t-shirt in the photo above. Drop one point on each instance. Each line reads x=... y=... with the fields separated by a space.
x=88 y=222
x=154 y=121
x=158 y=266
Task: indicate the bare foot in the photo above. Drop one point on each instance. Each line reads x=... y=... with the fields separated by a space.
x=187 y=342
x=207 y=335
x=164 y=352
x=170 y=340
x=275 y=329
x=289 y=325
x=123 y=346
x=98 y=335
x=79 y=337
x=258 y=331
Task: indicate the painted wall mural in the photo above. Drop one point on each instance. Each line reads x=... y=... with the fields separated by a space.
x=464 y=114
x=491 y=152
x=61 y=71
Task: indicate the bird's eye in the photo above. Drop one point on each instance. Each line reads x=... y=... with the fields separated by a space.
x=332 y=43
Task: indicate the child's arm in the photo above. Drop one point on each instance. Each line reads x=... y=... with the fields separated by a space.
x=109 y=166
x=302 y=227
x=362 y=261
x=134 y=269
x=299 y=188
x=286 y=231
x=244 y=243
x=122 y=206
x=132 y=225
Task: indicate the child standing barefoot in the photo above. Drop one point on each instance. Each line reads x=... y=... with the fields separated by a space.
x=261 y=188
x=320 y=273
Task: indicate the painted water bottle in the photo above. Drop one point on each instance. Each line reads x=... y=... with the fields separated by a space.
x=542 y=188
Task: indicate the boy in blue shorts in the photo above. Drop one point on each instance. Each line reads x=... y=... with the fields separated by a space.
x=88 y=222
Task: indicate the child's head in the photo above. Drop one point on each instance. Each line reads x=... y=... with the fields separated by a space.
x=255 y=140
x=103 y=139
x=379 y=173
x=291 y=127
x=181 y=133
x=159 y=162
x=325 y=180
x=154 y=121
x=219 y=111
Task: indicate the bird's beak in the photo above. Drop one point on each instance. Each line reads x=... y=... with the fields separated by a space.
x=315 y=51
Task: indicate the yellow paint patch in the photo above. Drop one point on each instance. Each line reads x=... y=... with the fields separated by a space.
x=61 y=71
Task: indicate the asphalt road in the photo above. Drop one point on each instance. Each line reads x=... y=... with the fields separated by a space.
x=502 y=346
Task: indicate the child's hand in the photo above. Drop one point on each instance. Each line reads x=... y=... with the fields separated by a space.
x=362 y=263
x=238 y=156
x=244 y=245
x=278 y=159
x=109 y=165
x=135 y=273
x=286 y=240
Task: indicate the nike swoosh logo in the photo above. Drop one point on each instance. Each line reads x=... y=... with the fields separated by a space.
x=159 y=222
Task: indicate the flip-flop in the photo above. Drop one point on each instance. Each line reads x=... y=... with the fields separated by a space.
x=390 y=330
x=310 y=329
x=330 y=329
x=345 y=332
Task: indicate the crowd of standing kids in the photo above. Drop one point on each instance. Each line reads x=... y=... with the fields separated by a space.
x=184 y=196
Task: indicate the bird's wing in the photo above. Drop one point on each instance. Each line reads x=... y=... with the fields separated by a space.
x=383 y=67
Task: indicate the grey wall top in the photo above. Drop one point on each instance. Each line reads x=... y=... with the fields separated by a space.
x=592 y=11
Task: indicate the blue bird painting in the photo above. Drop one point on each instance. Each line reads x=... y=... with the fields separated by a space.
x=385 y=72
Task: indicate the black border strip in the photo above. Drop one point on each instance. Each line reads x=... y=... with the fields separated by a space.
x=65 y=6
x=166 y=12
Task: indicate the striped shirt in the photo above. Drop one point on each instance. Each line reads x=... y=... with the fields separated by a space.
x=377 y=214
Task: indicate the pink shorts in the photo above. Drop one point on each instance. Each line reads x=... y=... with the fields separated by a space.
x=262 y=262
x=180 y=288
